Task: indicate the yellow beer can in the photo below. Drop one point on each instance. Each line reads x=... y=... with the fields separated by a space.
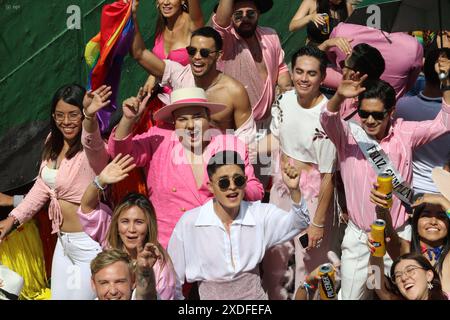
x=385 y=187
x=378 y=237
x=327 y=285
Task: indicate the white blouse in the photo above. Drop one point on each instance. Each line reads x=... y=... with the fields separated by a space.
x=201 y=249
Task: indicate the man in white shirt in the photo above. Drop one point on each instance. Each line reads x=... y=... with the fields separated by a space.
x=425 y=106
x=296 y=125
x=221 y=243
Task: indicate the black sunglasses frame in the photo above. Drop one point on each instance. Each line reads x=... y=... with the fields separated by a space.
x=238 y=180
x=377 y=115
x=239 y=15
x=204 y=53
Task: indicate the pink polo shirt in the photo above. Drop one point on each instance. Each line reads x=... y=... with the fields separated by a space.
x=358 y=175
x=171 y=184
x=237 y=62
x=402 y=55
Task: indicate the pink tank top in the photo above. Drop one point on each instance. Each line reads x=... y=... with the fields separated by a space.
x=178 y=55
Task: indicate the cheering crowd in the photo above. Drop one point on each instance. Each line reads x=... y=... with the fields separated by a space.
x=231 y=175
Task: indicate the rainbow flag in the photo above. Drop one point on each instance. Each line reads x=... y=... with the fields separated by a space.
x=105 y=53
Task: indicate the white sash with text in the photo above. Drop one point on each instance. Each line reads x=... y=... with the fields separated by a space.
x=381 y=162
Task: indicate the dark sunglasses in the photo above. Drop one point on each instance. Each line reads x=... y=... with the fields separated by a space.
x=203 y=52
x=377 y=115
x=239 y=181
x=239 y=15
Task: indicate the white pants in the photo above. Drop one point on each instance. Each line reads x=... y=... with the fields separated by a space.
x=71 y=272
x=355 y=262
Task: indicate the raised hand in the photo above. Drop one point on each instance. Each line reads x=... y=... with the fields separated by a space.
x=95 y=100
x=437 y=199
x=117 y=169
x=134 y=6
x=147 y=256
x=353 y=87
x=291 y=175
x=149 y=85
x=317 y=19
x=133 y=106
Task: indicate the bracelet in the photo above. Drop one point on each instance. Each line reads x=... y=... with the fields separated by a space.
x=97 y=184
x=86 y=116
x=317 y=225
x=16 y=222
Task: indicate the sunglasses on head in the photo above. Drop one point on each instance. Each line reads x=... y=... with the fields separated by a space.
x=224 y=183
x=377 y=115
x=239 y=15
x=192 y=51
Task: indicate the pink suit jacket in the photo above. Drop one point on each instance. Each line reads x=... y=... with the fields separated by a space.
x=170 y=179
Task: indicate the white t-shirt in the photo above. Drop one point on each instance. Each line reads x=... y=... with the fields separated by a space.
x=300 y=133
x=433 y=154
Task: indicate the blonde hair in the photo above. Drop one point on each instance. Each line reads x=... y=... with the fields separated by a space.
x=108 y=257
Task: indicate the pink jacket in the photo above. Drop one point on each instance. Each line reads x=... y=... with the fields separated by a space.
x=96 y=225
x=74 y=175
x=170 y=180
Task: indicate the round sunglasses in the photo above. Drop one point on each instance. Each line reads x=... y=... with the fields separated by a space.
x=225 y=182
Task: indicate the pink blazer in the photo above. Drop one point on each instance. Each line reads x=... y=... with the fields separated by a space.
x=170 y=180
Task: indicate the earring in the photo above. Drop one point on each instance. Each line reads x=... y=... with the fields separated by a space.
x=184 y=6
x=430 y=286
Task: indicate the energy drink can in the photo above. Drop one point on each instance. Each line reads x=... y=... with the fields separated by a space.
x=378 y=237
x=327 y=282
x=385 y=187
x=325 y=28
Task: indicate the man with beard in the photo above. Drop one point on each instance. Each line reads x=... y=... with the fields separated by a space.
x=249 y=47
x=204 y=50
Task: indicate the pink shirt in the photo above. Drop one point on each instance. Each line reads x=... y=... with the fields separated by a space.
x=237 y=62
x=96 y=225
x=402 y=56
x=73 y=177
x=358 y=175
x=170 y=180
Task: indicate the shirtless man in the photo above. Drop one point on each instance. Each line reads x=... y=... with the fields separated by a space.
x=204 y=51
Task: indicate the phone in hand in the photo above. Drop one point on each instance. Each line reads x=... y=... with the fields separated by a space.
x=303 y=239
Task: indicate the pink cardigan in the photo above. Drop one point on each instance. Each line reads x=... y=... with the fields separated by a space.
x=170 y=180
x=74 y=175
x=96 y=225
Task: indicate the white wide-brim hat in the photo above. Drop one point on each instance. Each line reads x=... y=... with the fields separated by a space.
x=441 y=179
x=12 y=283
x=186 y=97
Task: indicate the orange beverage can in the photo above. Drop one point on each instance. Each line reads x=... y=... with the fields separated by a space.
x=325 y=28
x=327 y=286
x=378 y=237
x=385 y=187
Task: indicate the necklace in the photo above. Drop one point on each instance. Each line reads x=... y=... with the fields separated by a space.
x=215 y=81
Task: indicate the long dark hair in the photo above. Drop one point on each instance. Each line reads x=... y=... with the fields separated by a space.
x=324 y=6
x=72 y=94
x=436 y=292
x=415 y=239
x=161 y=22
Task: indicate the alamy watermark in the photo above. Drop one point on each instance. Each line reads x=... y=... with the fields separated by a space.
x=73 y=21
